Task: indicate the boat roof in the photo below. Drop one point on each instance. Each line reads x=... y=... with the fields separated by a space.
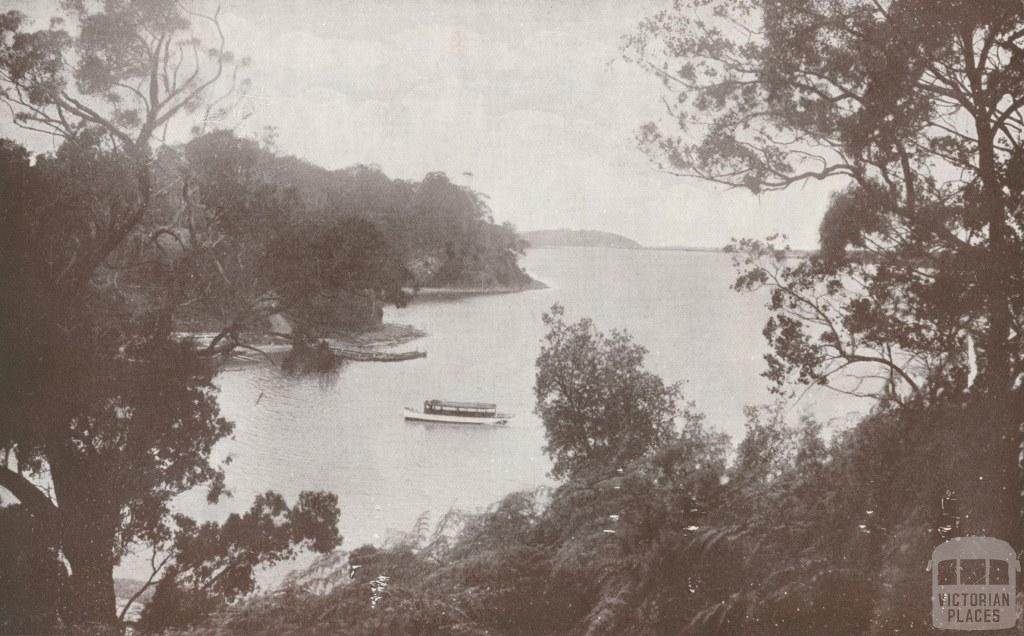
x=465 y=405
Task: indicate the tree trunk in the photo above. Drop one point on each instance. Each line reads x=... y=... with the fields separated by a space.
x=994 y=494
x=997 y=269
x=988 y=479
x=88 y=522
x=91 y=585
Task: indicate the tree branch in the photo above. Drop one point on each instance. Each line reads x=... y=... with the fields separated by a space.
x=28 y=493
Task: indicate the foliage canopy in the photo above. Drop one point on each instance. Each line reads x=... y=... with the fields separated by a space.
x=599 y=405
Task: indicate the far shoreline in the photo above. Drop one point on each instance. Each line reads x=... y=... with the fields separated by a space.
x=794 y=253
x=447 y=293
x=640 y=248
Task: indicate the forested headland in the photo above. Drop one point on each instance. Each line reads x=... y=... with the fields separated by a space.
x=443 y=233
x=658 y=524
x=405 y=235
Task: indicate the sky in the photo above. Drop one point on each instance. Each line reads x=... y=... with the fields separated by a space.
x=528 y=102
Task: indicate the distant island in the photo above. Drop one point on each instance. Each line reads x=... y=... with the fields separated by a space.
x=578 y=238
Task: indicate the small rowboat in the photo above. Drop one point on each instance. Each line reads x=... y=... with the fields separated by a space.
x=457 y=413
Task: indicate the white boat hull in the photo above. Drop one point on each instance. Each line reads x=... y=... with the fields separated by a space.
x=419 y=416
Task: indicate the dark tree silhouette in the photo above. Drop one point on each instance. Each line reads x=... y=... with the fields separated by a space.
x=913 y=109
x=213 y=563
x=107 y=415
x=32 y=577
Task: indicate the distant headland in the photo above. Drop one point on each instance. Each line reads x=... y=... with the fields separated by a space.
x=596 y=238
x=578 y=238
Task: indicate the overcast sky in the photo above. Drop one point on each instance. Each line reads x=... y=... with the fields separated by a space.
x=529 y=96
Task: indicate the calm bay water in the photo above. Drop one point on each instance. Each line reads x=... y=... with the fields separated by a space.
x=348 y=435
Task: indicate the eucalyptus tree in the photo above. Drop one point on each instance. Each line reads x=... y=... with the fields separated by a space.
x=913 y=109
x=107 y=245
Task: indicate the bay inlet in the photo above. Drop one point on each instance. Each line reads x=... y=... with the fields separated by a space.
x=347 y=435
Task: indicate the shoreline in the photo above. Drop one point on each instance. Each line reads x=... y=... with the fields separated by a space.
x=371 y=344
x=428 y=293
x=364 y=345
x=793 y=253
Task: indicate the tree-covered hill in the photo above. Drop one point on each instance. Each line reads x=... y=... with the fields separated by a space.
x=290 y=219
x=443 y=232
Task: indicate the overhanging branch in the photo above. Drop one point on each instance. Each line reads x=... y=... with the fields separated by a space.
x=27 y=493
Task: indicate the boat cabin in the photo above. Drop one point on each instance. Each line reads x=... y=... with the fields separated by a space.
x=466 y=409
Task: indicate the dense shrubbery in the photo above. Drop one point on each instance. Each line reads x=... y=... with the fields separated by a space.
x=799 y=534
x=595 y=554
